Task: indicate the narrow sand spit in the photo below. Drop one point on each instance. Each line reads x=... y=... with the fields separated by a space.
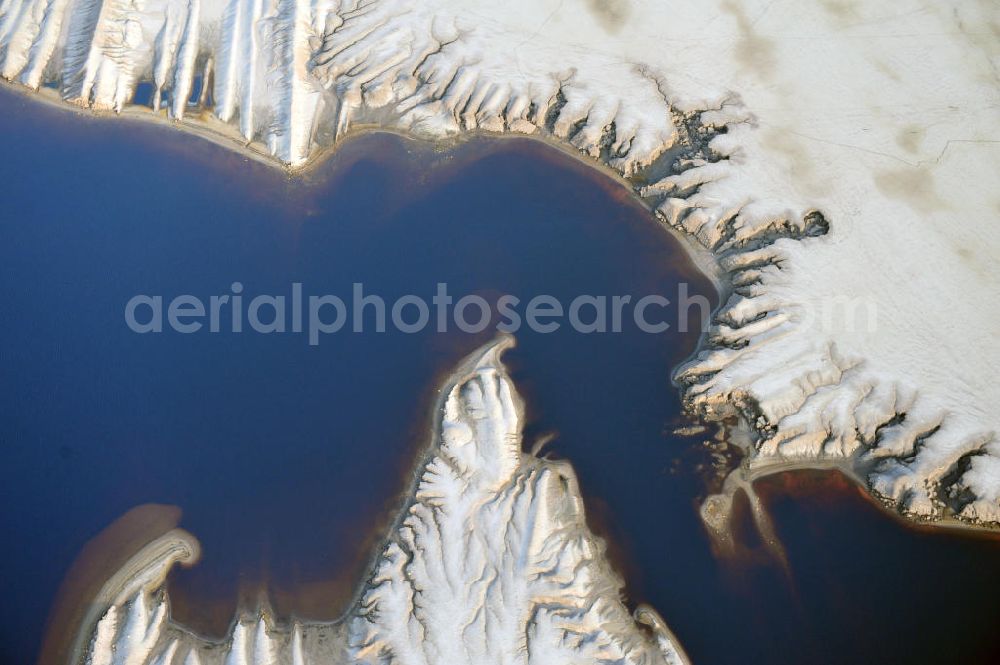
x=491 y=560
x=835 y=159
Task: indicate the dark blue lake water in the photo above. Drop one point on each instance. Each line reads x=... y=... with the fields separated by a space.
x=288 y=459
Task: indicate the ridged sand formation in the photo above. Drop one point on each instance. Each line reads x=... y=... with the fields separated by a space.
x=491 y=561
x=833 y=161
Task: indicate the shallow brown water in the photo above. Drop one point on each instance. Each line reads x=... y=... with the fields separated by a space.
x=288 y=460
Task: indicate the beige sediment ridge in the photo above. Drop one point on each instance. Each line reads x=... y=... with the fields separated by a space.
x=491 y=558
x=803 y=174
x=777 y=196
x=206 y=126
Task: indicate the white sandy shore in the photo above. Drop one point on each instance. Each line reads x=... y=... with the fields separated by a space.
x=881 y=116
x=490 y=561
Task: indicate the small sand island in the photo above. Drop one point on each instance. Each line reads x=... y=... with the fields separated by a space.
x=490 y=561
x=831 y=165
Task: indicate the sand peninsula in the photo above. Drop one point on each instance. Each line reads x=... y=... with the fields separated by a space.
x=836 y=161
x=490 y=560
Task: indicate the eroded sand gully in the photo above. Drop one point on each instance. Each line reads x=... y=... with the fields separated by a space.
x=102 y=558
x=791 y=206
x=491 y=560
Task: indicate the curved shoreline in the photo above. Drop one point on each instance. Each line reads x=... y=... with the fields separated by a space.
x=723 y=154
x=558 y=567
x=226 y=137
